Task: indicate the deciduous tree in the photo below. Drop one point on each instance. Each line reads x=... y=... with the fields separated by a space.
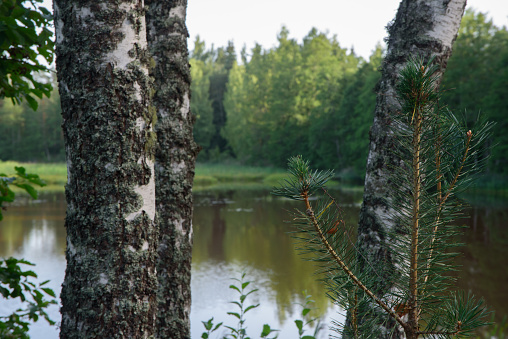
x=110 y=282
x=174 y=164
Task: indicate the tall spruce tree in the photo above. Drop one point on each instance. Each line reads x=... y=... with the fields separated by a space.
x=426 y=28
x=225 y=60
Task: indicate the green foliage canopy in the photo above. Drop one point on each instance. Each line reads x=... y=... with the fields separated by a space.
x=27 y=135
x=25 y=41
x=294 y=97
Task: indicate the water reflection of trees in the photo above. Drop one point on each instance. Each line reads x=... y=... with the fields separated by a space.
x=33 y=224
x=483 y=262
x=248 y=228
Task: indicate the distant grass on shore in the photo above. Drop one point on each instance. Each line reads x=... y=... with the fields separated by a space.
x=54 y=174
x=219 y=176
x=215 y=173
x=207 y=175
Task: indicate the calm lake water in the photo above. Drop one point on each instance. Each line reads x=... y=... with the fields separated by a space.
x=243 y=231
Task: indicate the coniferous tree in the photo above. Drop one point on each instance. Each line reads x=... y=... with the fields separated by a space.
x=412 y=32
x=436 y=157
x=201 y=105
x=476 y=79
x=225 y=60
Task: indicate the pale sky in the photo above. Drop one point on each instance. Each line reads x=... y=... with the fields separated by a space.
x=357 y=23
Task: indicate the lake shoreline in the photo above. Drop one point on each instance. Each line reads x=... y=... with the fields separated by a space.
x=219 y=177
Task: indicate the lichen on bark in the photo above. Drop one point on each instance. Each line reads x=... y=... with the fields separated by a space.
x=110 y=281
x=175 y=161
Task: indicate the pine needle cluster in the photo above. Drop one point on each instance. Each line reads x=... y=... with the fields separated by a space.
x=438 y=157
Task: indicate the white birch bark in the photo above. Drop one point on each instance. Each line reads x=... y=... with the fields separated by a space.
x=110 y=282
x=175 y=160
x=421 y=28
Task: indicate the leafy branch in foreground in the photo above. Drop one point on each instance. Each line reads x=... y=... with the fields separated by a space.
x=25 y=39
x=15 y=282
x=438 y=158
x=21 y=180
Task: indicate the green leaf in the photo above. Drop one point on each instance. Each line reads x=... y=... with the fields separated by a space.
x=299 y=324
x=233 y=330
x=208 y=324
x=49 y=291
x=235 y=288
x=29 y=189
x=21 y=171
x=305 y=311
x=31 y=102
x=29 y=274
x=8 y=196
x=251 y=291
x=235 y=314
x=236 y=303
x=250 y=308
x=267 y=330
x=34 y=179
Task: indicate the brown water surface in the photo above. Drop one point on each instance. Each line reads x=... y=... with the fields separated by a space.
x=243 y=231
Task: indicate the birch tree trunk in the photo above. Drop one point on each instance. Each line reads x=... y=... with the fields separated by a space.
x=421 y=28
x=110 y=282
x=174 y=166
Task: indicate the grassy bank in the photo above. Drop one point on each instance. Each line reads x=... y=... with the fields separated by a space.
x=219 y=176
x=55 y=174
x=207 y=175
x=214 y=174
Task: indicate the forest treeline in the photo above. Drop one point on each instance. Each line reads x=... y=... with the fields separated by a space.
x=313 y=98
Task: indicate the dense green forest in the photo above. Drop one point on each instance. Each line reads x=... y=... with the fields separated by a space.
x=313 y=98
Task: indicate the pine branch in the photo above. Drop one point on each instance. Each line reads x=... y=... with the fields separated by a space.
x=340 y=262
x=351 y=242
x=433 y=162
x=441 y=200
x=413 y=282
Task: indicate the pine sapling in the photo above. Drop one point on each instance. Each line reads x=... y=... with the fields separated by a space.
x=438 y=158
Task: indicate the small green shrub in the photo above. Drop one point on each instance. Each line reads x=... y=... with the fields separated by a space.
x=240 y=330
